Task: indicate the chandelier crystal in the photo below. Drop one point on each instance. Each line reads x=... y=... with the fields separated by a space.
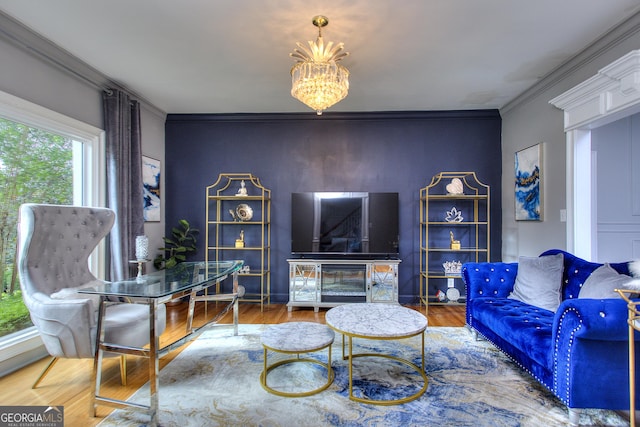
x=317 y=79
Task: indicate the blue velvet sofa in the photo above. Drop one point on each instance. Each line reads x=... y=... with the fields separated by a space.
x=579 y=352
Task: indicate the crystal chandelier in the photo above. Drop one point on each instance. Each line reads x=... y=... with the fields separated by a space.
x=317 y=79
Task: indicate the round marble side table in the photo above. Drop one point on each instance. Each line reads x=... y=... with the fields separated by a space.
x=297 y=338
x=377 y=321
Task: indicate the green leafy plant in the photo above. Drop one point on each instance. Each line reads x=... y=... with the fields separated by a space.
x=176 y=247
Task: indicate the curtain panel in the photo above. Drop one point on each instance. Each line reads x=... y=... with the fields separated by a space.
x=124 y=179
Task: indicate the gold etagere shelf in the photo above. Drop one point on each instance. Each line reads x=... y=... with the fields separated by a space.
x=238 y=211
x=454 y=229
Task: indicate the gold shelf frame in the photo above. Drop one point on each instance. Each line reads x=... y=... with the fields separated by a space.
x=221 y=193
x=434 y=194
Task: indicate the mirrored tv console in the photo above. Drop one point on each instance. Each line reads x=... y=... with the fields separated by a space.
x=329 y=282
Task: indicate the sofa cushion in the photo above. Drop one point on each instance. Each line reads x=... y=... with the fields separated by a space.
x=634 y=268
x=539 y=280
x=523 y=326
x=603 y=282
x=577 y=271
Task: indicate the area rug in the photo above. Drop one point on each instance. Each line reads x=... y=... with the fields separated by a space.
x=215 y=382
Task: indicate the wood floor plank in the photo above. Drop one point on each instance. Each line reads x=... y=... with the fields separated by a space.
x=69 y=382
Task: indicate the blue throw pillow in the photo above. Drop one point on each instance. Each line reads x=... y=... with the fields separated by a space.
x=603 y=282
x=539 y=280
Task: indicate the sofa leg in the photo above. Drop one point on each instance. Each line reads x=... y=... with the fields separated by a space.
x=574 y=416
x=476 y=336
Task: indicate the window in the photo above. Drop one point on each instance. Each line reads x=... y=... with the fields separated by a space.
x=64 y=162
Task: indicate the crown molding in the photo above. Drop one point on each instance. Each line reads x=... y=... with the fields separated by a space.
x=617 y=35
x=33 y=43
x=614 y=92
x=335 y=116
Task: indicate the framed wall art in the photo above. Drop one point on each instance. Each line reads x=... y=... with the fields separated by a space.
x=528 y=183
x=151 y=188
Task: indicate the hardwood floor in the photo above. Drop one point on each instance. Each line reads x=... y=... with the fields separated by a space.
x=69 y=382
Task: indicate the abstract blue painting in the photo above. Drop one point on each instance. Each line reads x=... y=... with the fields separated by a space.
x=151 y=188
x=528 y=188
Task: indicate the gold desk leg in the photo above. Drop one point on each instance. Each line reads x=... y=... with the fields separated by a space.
x=632 y=371
x=633 y=317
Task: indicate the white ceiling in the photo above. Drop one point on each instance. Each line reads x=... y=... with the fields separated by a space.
x=232 y=56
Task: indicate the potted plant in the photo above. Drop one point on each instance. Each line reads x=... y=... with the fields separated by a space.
x=176 y=247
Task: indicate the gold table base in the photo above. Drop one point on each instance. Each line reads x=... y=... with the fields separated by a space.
x=388 y=402
x=269 y=368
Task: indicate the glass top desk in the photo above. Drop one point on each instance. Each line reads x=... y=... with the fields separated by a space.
x=185 y=279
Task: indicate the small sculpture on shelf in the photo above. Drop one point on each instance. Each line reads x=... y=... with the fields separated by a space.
x=452 y=267
x=242 y=191
x=240 y=241
x=454 y=215
x=455 y=244
x=455 y=187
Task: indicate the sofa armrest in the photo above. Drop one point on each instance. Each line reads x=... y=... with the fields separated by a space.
x=489 y=279
x=590 y=352
x=593 y=319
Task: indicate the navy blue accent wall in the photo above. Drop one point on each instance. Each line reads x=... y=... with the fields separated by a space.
x=381 y=152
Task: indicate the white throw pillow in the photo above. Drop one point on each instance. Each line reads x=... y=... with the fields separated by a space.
x=603 y=282
x=539 y=280
x=634 y=268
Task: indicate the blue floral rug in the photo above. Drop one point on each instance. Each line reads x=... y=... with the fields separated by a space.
x=215 y=382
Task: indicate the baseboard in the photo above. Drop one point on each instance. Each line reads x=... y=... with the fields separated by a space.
x=20 y=350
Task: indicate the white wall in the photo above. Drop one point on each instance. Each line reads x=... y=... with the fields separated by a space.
x=153 y=146
x=530 y=119
x=616 y=148
x=27 y=77
x=72 y=90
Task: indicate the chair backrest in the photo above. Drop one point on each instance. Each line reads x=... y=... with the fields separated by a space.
x=55 y=242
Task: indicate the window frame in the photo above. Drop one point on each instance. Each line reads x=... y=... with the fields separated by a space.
x=24 y=347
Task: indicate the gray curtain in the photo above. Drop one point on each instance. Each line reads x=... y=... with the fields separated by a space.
x=124 y=179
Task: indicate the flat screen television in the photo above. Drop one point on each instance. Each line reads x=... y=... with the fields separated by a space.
x=351 y=224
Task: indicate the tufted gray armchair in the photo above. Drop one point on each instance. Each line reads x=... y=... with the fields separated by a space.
x=55 y=242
